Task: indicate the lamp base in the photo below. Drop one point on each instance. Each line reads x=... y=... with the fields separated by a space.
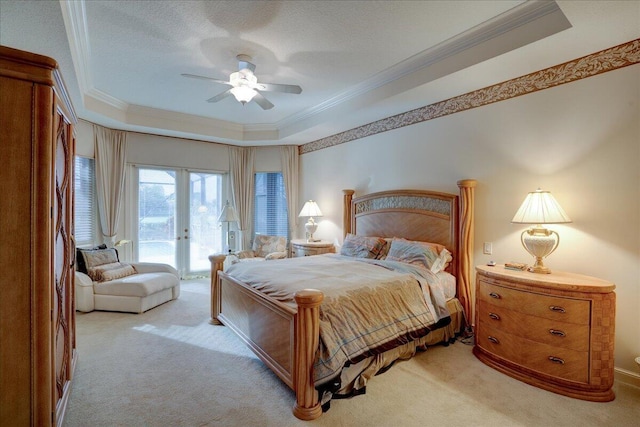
x=311 y=228
x=539 y=268
x=540 y=243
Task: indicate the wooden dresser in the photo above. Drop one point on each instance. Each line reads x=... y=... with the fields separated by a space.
x=37 y=322
x=300 y=247
x=554 y=331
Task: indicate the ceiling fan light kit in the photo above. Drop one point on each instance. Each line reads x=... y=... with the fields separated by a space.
x=243 y=81
x=245 y=87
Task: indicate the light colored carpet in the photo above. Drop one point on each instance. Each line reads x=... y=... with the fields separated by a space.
x=170 y=367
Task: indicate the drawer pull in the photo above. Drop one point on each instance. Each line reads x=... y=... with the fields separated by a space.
x=557 y=333
x=494 y=316
x=556 y=360
x=493 y=339
x=557 y=309
x=494 y=295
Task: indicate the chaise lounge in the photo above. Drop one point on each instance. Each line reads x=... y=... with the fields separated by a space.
x=104 y=283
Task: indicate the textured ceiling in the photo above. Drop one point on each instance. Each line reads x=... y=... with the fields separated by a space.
x=357 y=61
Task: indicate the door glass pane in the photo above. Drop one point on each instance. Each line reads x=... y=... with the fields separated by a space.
x=157 y=216
x=205 y=203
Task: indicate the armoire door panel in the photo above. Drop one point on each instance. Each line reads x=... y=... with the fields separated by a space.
x=37 y=326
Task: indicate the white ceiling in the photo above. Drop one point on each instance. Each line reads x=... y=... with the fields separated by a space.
x=356 y=61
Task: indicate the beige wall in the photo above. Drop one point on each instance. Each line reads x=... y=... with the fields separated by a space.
x=581 y=141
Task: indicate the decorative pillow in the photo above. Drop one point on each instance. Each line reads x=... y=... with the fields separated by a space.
x=385 y=250
x=111 y=271
x=80 y=266
x=431 y=256
x=276 y=255
x=98 y=257
x=264 y=245
x=362 y=246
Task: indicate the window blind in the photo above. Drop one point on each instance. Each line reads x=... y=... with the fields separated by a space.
x=270 y=205
x=85 y=201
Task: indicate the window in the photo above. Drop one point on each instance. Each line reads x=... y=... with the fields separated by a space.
x=85 y=201
x=270 y=205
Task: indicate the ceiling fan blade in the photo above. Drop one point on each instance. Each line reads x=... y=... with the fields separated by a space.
x=262 y=101
x=194 y=76
x=220 y=96
x=274 y=87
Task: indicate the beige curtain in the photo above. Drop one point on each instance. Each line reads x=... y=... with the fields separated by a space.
x=241 y=174
x=290 y=160
x=110 y=163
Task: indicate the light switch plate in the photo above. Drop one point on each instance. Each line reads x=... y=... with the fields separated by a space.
x=487 y=249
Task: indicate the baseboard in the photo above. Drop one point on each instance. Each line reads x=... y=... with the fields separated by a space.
x=627 y=377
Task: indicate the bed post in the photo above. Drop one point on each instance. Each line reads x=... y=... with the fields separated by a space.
x=346 y=212
x=307 y=337
x=217 y=264
x=465 y=267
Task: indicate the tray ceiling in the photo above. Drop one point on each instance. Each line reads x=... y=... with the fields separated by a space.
x=356 y=61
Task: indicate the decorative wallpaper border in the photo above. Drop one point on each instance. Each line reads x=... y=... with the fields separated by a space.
x=591 y=65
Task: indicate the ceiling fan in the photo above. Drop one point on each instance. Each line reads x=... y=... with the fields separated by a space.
x=245 y=86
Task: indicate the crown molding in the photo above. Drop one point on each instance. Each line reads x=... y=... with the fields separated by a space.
x=75 y=22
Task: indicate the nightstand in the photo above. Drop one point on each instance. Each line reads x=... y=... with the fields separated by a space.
x=300 y=247
x=554 y=331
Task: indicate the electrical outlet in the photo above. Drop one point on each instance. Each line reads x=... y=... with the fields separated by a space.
x=487 y=248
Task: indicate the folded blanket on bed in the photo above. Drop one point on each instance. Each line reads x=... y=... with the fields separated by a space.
x=369 y=306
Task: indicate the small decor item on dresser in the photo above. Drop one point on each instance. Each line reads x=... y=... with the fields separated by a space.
x=518 y=266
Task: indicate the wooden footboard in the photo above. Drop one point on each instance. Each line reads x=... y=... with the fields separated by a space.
x=284 y=338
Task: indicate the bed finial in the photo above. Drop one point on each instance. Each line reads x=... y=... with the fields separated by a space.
x=346 y=212
x=307 y=406
x=467 y=231
x=217 y=265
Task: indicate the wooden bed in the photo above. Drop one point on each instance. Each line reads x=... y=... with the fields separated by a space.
x=286 y=338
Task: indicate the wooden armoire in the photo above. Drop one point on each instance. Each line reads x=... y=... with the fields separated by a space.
x=37 y=313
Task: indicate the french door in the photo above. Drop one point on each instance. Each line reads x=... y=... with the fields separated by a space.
x=177 y=218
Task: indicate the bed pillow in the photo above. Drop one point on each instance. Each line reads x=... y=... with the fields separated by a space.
x=385 y=249
x=362 y=246
x=431 y=256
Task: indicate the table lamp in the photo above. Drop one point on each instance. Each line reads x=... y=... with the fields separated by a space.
x=310 y=209
x=228 y=215
x=540 y=207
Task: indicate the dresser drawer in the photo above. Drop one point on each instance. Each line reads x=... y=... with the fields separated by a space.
x=299 y=252
x=300 y=248
x=549 y=307
x=552 y=332
x=547 y=359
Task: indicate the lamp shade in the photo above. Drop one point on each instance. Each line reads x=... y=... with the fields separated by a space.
x=540 y=207
x=310 y=208
x=228 y=213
